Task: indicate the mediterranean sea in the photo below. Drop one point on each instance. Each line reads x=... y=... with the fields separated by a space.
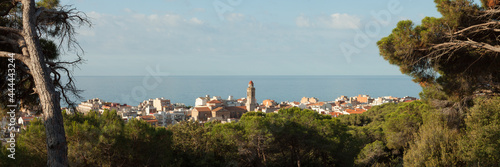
x=185 y=89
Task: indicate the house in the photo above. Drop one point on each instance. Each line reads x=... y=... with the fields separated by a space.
x=298 y=104
x=202 y=101
x=114 y=106
x=237 y=111
x=335 y=114
x=214 y=104
x=151 y=120
x=269 y=103
x=364 y=99
x=221 y=112
x=90 y=105
x=307 y=100
x=201 y=113
x=270 y=109
x=127 y=115
x=149 y=110
x=320 y=106
x=162 y=104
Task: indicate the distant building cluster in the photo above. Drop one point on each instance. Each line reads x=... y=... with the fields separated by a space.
x=157 y=112
x=161 y=111
x=344 y=105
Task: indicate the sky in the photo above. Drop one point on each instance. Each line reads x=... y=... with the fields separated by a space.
x=240 y=37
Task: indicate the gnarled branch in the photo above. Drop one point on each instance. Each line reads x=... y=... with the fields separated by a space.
x=20 y=57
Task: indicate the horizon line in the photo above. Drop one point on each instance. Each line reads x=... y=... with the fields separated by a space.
x=231 y=75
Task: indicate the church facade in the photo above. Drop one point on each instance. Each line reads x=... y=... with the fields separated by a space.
x=225 y=110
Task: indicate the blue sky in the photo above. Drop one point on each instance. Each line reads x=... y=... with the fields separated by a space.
x=240 y=37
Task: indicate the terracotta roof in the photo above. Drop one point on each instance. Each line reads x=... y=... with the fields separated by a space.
x=218 y=109
x=355 y=111
x=268 y=102
x=251 y=82
x=201 y=109
x=237 y=108
x=148 y=117
x=335 y=114
x=317 y=104
x=215 y=101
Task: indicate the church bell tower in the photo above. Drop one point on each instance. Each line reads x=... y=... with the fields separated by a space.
x=251 y=102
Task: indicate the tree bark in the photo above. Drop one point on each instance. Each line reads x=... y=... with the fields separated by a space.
x=57 y=150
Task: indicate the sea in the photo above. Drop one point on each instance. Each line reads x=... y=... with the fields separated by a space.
x=132 y=90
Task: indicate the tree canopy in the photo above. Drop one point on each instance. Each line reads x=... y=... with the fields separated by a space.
x=458 y=51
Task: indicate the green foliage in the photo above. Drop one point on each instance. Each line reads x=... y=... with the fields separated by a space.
x=49 y=49
x=290 y=137
x=370 y=154
x=481 y=143
x=428 y=53
x=196 y=144
x=31 y=148
x=432 y=93
x=435 y=144
x=401 y=125
x=99 y=140
x=416 y=134
x=439 y=55
x=409 y=134
x=307 y=138
x=49 y=4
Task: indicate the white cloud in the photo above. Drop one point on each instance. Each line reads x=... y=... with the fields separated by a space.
x=342 y=21
x=196 y=21
x=302 y=21
x=196 y=41
x=333 y=21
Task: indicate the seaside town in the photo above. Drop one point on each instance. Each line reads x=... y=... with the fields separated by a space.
x=162 y=112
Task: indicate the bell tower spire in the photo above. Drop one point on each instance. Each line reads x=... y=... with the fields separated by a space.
x=251 y=102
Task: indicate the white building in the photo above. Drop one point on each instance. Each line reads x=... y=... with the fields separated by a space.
x=149 y=110
x=92 y=104
x=162 y=104
x=202 y=101
x=298 y=104
x=170 y=118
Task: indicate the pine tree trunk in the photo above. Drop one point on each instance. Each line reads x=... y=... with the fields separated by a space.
x=57 y=150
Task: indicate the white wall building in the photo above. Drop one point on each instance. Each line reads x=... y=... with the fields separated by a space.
x=202 y=101
x=92 y=104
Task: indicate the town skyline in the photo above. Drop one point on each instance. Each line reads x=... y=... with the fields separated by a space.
x=162 y=112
